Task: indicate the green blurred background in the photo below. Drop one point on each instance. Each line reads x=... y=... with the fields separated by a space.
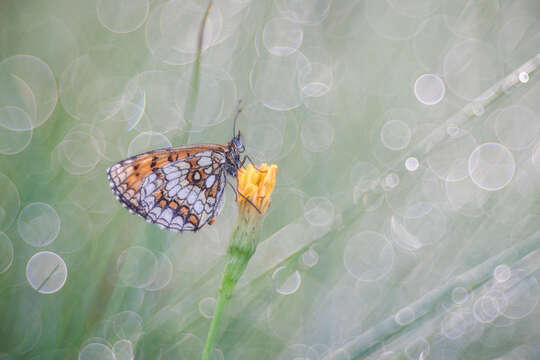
x=405 y=220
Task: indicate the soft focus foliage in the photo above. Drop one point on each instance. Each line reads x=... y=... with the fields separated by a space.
x=404 y=222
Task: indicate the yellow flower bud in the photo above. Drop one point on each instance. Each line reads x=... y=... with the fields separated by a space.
x=255 y=185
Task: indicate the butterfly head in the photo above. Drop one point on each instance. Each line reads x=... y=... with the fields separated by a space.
x=236 y=147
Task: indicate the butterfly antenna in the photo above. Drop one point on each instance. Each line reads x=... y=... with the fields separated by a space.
x=238 y=111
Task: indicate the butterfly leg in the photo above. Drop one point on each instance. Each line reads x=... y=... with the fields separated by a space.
x=252 y=163
x=236 y=192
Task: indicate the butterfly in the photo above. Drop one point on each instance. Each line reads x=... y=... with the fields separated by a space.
x=178 y=188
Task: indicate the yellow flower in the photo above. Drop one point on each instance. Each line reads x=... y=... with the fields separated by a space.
x=255 y=185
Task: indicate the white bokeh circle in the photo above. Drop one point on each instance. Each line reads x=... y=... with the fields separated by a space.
x=46 y=272
x=429 y=89
x=491 y=166
x=38 y=224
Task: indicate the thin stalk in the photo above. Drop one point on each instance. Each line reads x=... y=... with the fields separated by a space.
x=191 y=101
x=221 y=301
x=241 y=247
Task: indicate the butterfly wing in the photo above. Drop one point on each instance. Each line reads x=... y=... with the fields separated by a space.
x=151 y=182
x=187 y=194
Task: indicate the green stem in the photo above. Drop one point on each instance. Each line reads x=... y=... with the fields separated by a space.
x=241 y=247
x=221 y=301
x=191 y=101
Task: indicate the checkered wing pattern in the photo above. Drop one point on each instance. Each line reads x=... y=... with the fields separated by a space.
x=179 y=189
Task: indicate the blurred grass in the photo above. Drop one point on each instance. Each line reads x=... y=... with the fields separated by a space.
x=260 y=322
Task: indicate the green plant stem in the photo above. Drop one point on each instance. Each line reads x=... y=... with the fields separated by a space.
x=190 y=104
x=220 y=305
x=241 y=247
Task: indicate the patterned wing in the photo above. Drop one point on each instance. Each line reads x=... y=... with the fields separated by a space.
x=179 y=189
x=186 y=194
x=126 y=177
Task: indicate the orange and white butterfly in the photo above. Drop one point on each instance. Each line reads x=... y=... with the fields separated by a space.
x=179 y=188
